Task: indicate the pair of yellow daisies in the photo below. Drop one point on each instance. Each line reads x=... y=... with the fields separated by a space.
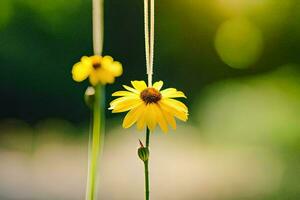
x=148 y=106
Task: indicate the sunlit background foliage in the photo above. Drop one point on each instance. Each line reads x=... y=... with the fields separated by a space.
x=237 y=60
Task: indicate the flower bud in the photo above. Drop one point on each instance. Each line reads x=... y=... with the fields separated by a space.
x=89 y=97
x=143 y=152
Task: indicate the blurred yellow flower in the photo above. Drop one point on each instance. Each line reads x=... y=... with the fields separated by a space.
x=149 y=106
x=99 y=69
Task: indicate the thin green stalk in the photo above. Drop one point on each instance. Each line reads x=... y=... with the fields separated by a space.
x=147 y=137
x=147 y=190
x=95 y=143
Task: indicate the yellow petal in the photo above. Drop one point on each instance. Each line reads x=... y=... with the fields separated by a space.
x=105 y=76
x=93 y=78
x=176 y=94
x=168 y=90
x=116 y=68
x=141 y=122
x=160 y=118
x=127 y=105
x=120 y=100
x=132 y=116
x=131 y=89
x=107 y=61
x=176 y=104
x=171 y=110
x=122 y=93
x=87 y=60
x=169 y=118
x=172 y=93
x=150 y=117
x=139 y=85
x=80 y=71
x=158 y=85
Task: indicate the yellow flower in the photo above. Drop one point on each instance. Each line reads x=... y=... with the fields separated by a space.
x=99 y=69
x=149 y=106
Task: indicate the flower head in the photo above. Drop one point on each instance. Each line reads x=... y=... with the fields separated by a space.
x=99 y=69
x=149 y=106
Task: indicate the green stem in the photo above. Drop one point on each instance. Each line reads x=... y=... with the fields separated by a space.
x=147 y=191
x=95 y=143
x=147 y=137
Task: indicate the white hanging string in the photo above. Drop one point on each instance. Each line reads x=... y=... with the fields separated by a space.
x=98 y=27
x=149 y=38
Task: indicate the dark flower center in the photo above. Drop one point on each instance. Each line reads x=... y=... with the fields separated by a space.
x=150 y=95
x=96 y=65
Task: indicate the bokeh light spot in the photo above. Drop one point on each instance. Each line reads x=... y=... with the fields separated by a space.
x=239 y=43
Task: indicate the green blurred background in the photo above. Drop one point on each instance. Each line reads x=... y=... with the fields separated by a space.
x=237 y=61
